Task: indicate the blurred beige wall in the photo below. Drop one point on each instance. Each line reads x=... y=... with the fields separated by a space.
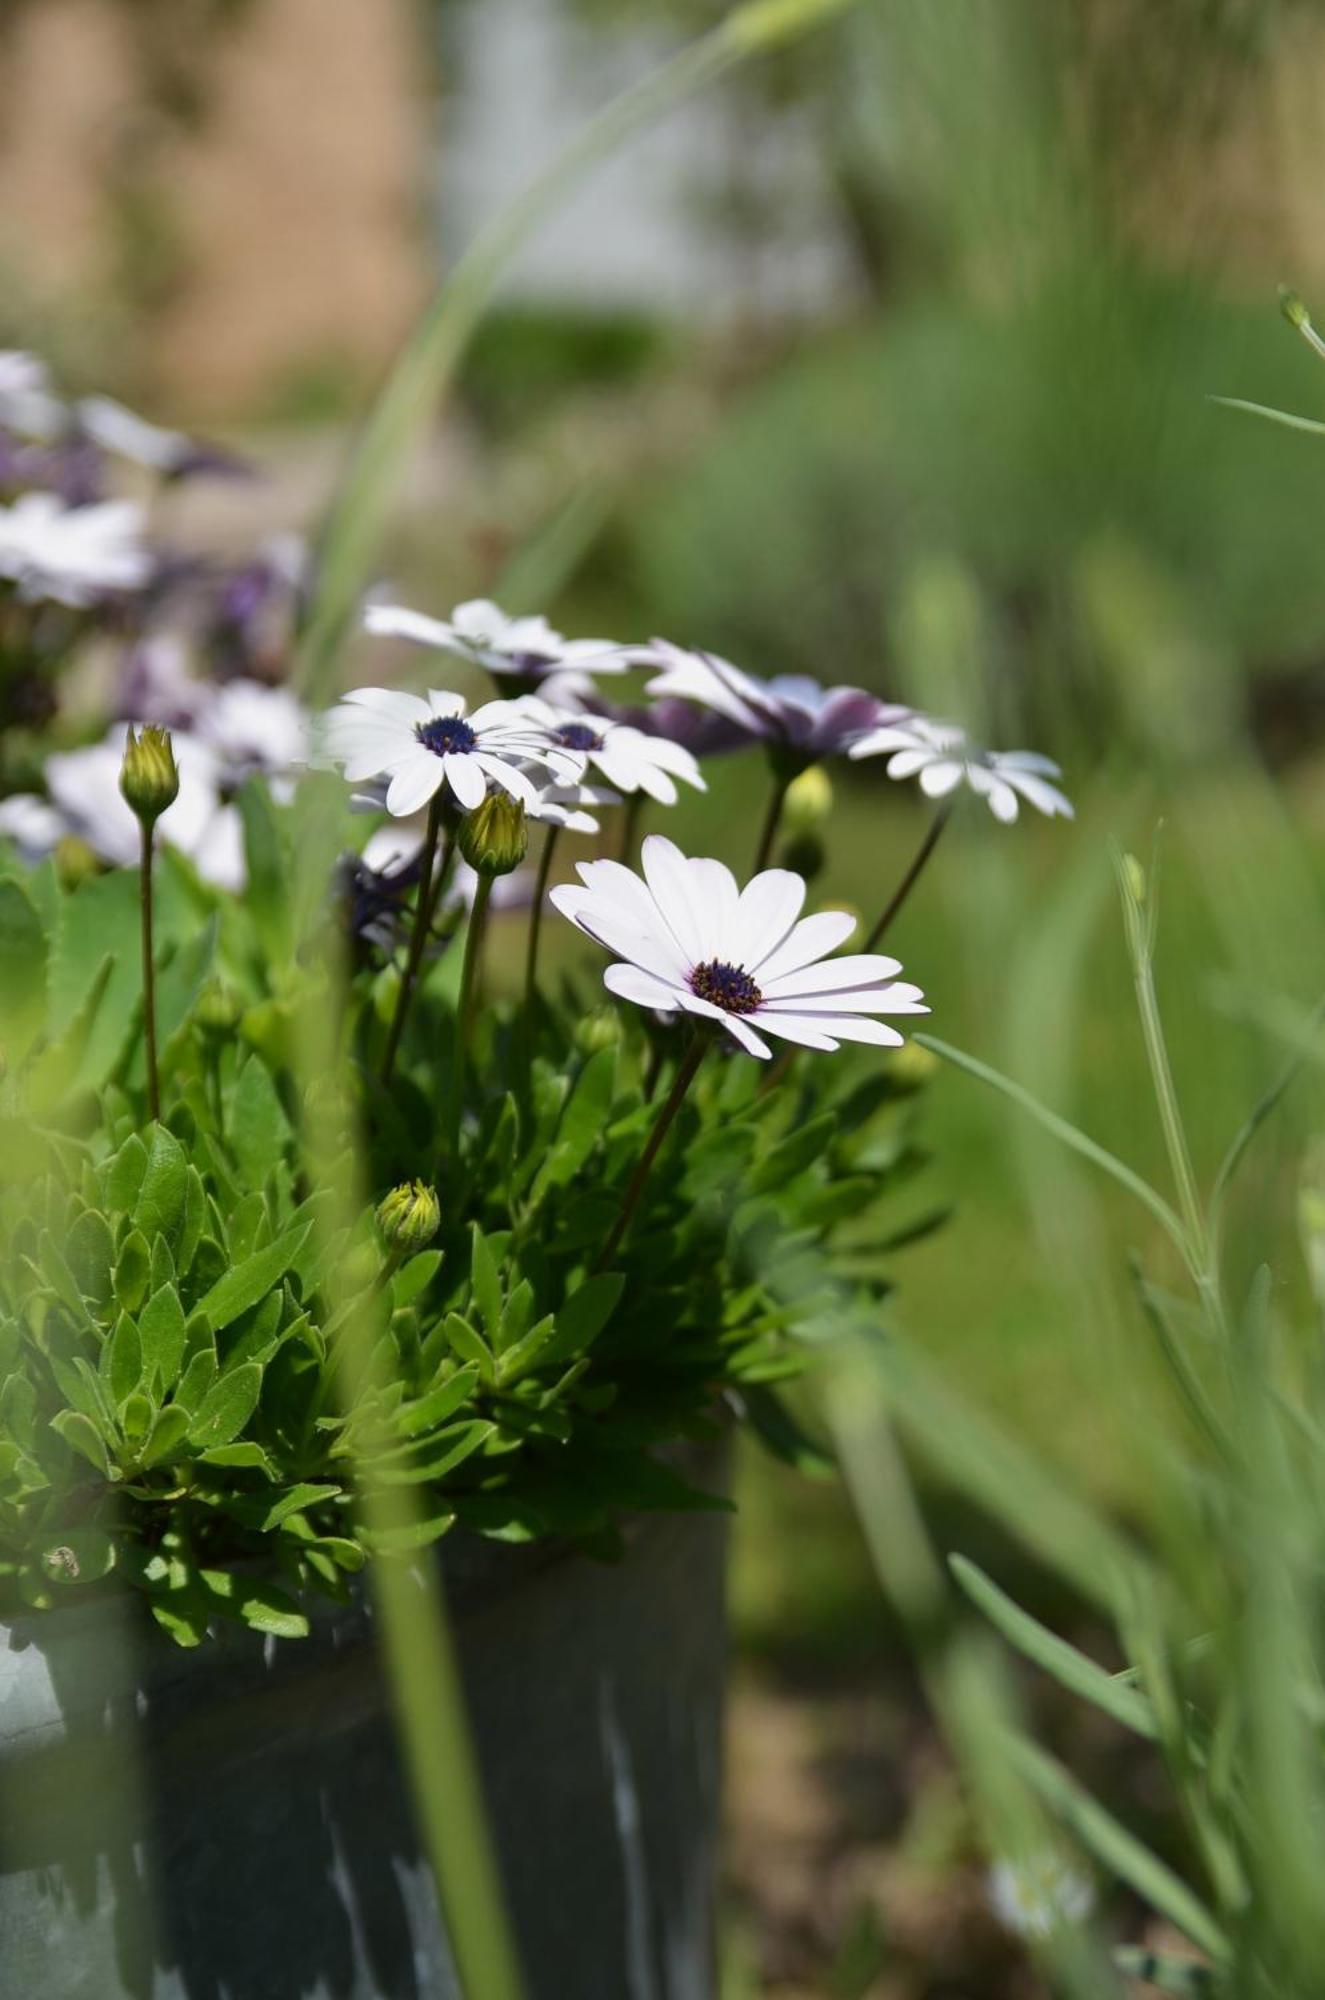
x=287 y=216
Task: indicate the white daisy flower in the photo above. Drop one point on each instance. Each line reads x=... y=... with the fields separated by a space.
x=526 y=649
x=122 y=432
x=33 y=824
x=28 y=404
x=73 y=555
x=628 y=759
x=687 y=939
x=421 y=745
x=944 y=757
x=253 y=729
x=1035 y=1898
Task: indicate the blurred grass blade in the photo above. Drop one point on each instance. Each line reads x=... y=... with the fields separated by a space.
x=1070 y=1136
x=353 y=533
x=1125 y=1857
x=997 y=1474
x=1261 y=1110
x=1070 y=1668
x=1285 y=417
x=1187 y=1381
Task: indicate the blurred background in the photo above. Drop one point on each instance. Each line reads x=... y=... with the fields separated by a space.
x=889 y=360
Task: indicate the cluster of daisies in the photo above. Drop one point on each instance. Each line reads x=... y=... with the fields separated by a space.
x=201 y=645
x=684 y=937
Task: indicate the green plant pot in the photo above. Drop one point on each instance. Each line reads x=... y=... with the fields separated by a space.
x=234 y=1823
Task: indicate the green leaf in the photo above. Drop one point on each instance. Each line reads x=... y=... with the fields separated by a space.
x=414 y=1278
x=774 y=1424
x=124 y=1173
x=267 y=895
x=792 y=1155
x=159 y=1209
x=196 y=1381
x=412 y=1419
x=133 y=1272
x=166 y=1436
x=78 y=1555
x=259 y=1131
x=137 y=1417
x=99 y=922
x=253 y=1279
x=122 y=1361
x=582 y=1123
x=440 y=1454
x=470 y=1346
x=22 y=971
x=90 y=1252
x=259 y=1605
x=1081 y=1676
x=585 y=1314
x=485 y=1284
x=82 y=1435
x=161 y=1329
x=227 y=1407
x=265 y=1511
x=246 y=1456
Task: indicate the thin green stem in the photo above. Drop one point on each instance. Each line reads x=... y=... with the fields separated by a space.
x=909 y=880
x=681 y=1083
x=423 y=910
x=149 y=972
x=630 y=819
x=478 y=917
x=536 y=916
x=772 y=819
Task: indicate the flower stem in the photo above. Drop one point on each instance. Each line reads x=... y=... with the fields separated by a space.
x=149 y=972
x=423 y=910
x=468 y=986
x=681 y=1083
x=630 y=820
x=772 y=819
x=911 y=877
x=536 y=916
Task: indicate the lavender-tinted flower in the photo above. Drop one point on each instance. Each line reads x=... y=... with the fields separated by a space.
x=375 y=905
x=252 y=623
x=793 y=714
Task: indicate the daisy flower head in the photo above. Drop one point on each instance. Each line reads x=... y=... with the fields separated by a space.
x=944 y=757
x=685 y=939
x=172 y=454
x=1034 y=1898
x=629 y=760
x=73 y=555
x=523 y=650
x=423 y=745
x=793 y=713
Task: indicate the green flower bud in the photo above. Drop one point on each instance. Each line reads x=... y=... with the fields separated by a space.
x=494 y=838
x=1293 y=307
x=218 y=1012
x=599 y=1030
x=804 y=855
x=410 y=1216
x=912 y=1066
x=75 y=861
x=149 y=779
x=808 y=802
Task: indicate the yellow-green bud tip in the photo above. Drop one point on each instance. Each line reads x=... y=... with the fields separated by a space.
x=218 y=1011
x=410 y=1216
x=1293 y=307
x=494 y=838
x=149 y=779
x=808 y=802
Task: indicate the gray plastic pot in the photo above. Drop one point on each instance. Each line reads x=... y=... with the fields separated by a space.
x=234 y=1823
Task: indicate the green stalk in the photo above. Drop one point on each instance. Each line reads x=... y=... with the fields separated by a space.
x=772 y=818
x=350 y=543
x=149 y=970
x=681 y=1083
x=536 y=917
x=464 y=1023
x=909 y=880
x=423 y=912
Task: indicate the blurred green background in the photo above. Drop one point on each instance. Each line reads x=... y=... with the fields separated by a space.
x=969 y=458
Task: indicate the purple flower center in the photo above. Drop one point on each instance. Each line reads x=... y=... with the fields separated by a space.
x=579 y=736
x=727 y=986
x=447 y=736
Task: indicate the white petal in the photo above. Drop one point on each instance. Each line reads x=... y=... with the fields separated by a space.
x=840 y=1027
x=876 y=742
x=393 y=703
x=441 y=702
x=397 y=621
x=414 y=784
x=668 y=876
x=810 y=1033
x=858 y=1000
x=603 y=922
x=813 y=937
x=769 y=905
x=741 y=1031
x=1046 y=798
x=645 y=988
x=464 y=774
x=937 y=780
x=713 y=901
x=507 y=776
x=857 y=968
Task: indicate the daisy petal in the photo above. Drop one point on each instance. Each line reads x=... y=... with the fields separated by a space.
x=795 y=1028
x=840 y=1027
x=769 y=906
x=741 y=1031
x=668 y=877
x=856 y=969
x=813 y=937
x=937 y=780
x=630 y=982
x=464 y=774
x=414 y=784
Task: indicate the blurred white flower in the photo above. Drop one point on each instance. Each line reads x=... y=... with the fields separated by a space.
x=73 y=555
x=480 y=632
x=1034 y=1898
x=28 y=405
x=944 y=757
x=687 y=939
x=116 y=429
x=628 y=759
x=85 y=800
x=421 y=746
x=253 y=729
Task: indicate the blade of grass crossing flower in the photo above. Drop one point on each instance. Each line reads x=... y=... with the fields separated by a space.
x=1069 y=1134
x=1072 y=1669
x=1287 y=418
x=408 y=403
x=1118 y=1850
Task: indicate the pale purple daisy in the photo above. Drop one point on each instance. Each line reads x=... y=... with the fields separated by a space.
x=686 y=939
x=943 y=757
x=73 y=555
x=791 y=712
x=525 y=650
x=422 y=745
x=628 y=759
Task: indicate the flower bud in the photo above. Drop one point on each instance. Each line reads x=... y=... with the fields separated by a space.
x=409 y=1217
x=1293 y=307
x=218 y=1011
x=599 y=1030
x=494 y=838
x=808 y=802
x=149 y=779
x=912 y=1067
x=804 y=855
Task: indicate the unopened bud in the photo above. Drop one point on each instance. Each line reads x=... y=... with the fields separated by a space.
x=804 y=855
x=1293 y=307
x=149 y=779
x=599 y=1030
x=218 y=1012
x=808 y=802
x=494 y=838
x=410 y=1216
x=913 y=1066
